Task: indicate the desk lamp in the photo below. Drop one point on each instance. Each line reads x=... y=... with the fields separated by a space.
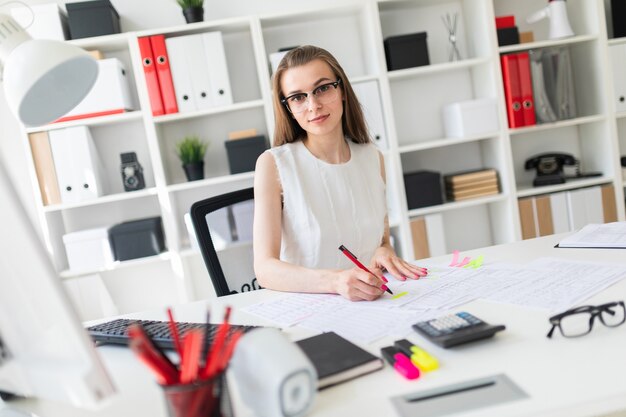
x=43 y=79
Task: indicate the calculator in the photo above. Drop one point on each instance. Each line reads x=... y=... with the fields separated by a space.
x=456 y=329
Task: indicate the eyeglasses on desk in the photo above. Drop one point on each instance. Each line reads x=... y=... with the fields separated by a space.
x=579 y=321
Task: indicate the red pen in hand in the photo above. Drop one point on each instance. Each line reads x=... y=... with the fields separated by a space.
x=353 y=258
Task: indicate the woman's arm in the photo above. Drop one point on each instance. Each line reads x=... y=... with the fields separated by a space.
x=273 y=273
x=385 y=257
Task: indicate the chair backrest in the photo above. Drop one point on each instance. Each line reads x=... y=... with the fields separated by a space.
x=223 y=226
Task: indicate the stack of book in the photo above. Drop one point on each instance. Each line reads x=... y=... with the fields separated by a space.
x=471 y=184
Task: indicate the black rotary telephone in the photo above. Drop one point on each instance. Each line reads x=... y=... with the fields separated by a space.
x=549 y=167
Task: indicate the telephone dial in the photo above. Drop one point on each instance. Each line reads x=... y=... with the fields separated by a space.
x=549 y=168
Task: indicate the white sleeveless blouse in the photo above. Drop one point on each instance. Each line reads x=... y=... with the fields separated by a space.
x=328 y=205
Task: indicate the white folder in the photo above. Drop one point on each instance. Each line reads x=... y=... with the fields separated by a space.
x=618 y=59
x=593 y=205
x=585 y=207
x=368 y=95
x=560 y=215
x=198 y=71
x=217 y=68
x=78 y=167
x=181 y=77
x=110 y=92
x=436 y=234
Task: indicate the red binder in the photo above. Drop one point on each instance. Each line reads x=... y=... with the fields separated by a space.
x=164 y=73
x=526 y=89
x=512 y=93
x=152 y=81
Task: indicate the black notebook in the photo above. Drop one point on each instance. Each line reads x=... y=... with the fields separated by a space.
x=336 y=359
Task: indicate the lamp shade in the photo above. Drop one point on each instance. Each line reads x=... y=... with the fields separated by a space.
x=44 y=79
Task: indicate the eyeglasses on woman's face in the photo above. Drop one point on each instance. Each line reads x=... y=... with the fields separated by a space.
x=323 y=94
x=579 y=321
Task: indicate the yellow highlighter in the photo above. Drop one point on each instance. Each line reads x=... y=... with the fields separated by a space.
x=422 y=359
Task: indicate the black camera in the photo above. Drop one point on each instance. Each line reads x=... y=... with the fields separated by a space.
x=132 y=172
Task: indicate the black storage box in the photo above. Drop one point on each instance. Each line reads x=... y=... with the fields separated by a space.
x=137 y=239
x=243 y=153
x=92 y=18
x=406 y=51
x=423 y=188
x=508 y=36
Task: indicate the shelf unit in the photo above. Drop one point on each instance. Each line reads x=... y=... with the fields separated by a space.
x=411 y=102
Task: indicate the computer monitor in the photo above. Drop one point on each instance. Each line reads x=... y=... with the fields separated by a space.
x=44 y=350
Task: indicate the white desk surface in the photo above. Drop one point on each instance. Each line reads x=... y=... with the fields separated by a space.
x=563 y=377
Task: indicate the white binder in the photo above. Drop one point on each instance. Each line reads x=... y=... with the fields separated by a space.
x=198 y=71
x=436 y=234
x=217 y=68
x=584 y=207
x=618 y=59
x=368 y=95
x=79 y=172
x=110 y=93
x=560 y=215
x=181 y=77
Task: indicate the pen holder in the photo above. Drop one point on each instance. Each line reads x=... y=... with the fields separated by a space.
x=200 y=399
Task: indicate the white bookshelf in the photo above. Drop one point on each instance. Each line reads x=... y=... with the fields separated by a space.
x=411 y=101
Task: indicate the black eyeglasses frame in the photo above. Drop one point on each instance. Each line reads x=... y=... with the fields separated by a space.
x=594 y=311
x=284 y=100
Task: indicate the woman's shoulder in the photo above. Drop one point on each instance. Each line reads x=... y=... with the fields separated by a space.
x=286 y=150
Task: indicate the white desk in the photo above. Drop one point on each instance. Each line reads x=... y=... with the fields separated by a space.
x=563 y=377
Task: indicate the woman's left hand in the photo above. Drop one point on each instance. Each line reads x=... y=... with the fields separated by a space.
x=386 y=259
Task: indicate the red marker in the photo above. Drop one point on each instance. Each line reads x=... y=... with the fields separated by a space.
x=353 y=258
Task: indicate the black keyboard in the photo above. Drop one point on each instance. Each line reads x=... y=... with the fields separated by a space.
x=115 y=331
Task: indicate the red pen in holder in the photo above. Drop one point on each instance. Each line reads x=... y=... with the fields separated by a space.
x=197 y=386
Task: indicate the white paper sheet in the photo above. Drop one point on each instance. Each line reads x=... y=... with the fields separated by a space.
x=609 y=235
x=546 y=283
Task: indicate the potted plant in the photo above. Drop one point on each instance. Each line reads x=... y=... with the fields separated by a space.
x=192 y=10
x=191 y=151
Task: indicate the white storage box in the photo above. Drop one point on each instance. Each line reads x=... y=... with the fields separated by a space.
x=469 y=118
x=88 y=249
x=48 y=22
x=109 y=95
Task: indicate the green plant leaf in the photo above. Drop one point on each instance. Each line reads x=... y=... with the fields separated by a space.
x=185 y=4
x=191 y=150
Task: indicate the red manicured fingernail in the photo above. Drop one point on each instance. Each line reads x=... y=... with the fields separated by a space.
x=384 y=287
x=384 y=279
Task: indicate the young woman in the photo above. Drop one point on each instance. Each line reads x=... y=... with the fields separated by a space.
x=322 y=185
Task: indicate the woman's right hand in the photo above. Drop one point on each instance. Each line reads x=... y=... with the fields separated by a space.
x=357 y=285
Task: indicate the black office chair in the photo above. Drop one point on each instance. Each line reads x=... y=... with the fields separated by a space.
x=223 y=226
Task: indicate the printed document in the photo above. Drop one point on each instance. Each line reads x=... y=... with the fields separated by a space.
x=609 y=235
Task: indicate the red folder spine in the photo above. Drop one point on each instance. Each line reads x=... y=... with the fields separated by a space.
x=510 y=76
x=164 y=73
x=526 y=89
x=152 y=82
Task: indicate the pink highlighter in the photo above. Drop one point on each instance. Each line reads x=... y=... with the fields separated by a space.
x=400 y=362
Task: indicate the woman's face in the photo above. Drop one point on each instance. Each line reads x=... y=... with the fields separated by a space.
x=318 y=116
